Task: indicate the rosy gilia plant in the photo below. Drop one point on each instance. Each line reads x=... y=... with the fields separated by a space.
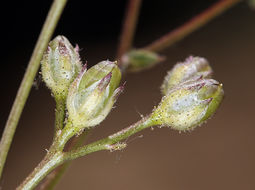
x=86 y=97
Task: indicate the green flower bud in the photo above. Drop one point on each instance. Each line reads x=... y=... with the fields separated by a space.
x=92 y=94
x=60 y=65
x=189 y=104
x=137 y=60
x=192 y=69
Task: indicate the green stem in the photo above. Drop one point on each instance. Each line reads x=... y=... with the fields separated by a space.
x=192 y=25
x=56 y=156
x=60 y=113
x=26 y=84
x=50 y=162
x=53 y=158
x=54 y=177
x=109 y=142
x=129 y=26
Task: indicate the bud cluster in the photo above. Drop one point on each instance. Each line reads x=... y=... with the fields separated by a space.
x=89 y=94
x=191 y=97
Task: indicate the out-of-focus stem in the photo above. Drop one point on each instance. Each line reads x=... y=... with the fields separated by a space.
x=26 y=84
x=190 y=26
x=129 y=26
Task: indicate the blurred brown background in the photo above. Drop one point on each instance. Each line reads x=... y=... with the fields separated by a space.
x=219 y=155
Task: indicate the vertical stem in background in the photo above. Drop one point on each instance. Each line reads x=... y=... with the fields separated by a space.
x=129 y=26
x=26 y=84
x=192 y=25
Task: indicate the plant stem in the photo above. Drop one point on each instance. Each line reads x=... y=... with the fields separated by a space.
x=60 y=113
x=54 y=177
x=192 y=25
x=26 y=84
x=108 y=142
x=50 y=162
x=56 y=156
x=129 y=27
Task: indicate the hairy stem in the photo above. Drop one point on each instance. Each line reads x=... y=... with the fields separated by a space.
x=26 y=84
x=129 y=26
x=192 y=25
x=60 y=113
x=54 y=177
x=108 y=142
x=51 y=161
x=56 y=156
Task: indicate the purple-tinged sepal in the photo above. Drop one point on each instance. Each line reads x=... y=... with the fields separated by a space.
x=92 y=95
x=194 y=68
x=188 y=105
x=60 y=66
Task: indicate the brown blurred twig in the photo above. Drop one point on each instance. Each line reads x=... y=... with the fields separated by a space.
x=190 y=26
x=129 y=26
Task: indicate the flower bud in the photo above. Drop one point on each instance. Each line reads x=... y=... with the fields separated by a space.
x=192 y=69
x=189 y=104
x=137 y=60
x=93 y=93
x=60 y=65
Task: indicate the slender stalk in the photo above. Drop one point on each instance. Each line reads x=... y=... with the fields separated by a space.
x=50 y=162
x=26 y=84
x=129 y=26
x=192 y=25
x=60 y=113
x=110 y=142
x=54 y=177
x=56 y=156
x=126 y=40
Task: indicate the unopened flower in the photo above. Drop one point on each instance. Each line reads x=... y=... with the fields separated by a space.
x=192 y=69
x=189 y=104
x=60 y=65
x=92 y=94
x=137 y=60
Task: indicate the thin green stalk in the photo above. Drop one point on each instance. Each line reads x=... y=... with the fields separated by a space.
x=60 y=113
x=53 y=158
x=50 y=162
x=111 y=142
x=129 y=26
x=54 y=177
x=56 y=156
x=26 y=84
x=192 y=25
x=126 y=40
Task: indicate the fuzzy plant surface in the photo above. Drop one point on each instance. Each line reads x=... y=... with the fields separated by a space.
x=84 y=97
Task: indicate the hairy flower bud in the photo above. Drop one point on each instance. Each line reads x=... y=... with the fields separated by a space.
x=60 y=65
x=192 y=69
x=93 y=93
x=137 y=60
x=189 y=105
